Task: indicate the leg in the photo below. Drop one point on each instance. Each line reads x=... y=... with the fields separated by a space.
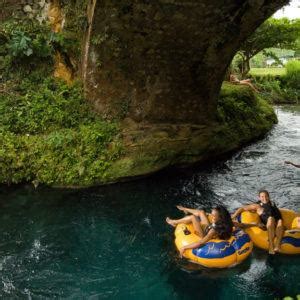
x=203 y=217
x=187 y=220
x=184 y=220
x=197 y=226
x=271 y=234
x=279 y=235
x=250 y=85
x=245 y=81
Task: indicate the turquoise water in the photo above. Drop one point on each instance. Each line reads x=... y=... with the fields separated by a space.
x=112 y=242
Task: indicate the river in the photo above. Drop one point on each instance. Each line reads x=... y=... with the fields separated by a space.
x=113 y=243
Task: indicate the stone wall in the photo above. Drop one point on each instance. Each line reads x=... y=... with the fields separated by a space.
x=24 y=9
x=163 y=61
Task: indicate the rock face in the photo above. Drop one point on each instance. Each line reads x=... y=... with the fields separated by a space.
x=163 y=61
x=241 y=117
x=157 y=67
x=24 y=9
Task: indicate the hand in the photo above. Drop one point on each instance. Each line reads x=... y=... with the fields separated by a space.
x=235 y=223
x=233 y=216
x=261 y=226
x=181 y=251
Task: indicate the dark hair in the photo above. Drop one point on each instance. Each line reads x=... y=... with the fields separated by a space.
x=224 y=226
x=264 y=192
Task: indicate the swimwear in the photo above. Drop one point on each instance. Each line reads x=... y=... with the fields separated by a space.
x=269 y=210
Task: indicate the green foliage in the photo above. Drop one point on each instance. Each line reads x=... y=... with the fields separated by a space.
x=27 y=38
x=271 y=72
x=259 y=60
x=19 y=45
x=50 y=135
x=29 y=43
x=48 y=131
x=291 y=298
x=76 y=17
x=278 y=87
x=63 y=157
x=292 y=76
x=239 y=107
x=278 y=33
x=51 y=105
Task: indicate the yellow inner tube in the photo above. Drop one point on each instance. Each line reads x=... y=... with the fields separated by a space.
x=216 y=253
x=290 y=243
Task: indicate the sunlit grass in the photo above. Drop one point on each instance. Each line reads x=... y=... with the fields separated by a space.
x=267 y=71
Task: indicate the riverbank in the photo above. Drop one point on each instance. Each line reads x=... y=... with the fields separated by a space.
x=242 y=116
x=50 y=134
x=279 y=85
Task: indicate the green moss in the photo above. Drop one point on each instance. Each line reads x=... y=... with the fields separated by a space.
x=243 y=116
x=75 y=12
x=48 y=132
x=50 y=135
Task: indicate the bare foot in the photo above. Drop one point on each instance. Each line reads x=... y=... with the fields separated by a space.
x=170 y=222
x=271 y=251
x=277 y=249
x=181 y=208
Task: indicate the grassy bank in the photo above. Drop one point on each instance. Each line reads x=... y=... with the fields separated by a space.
x=48 y=132
x=50 y=135
x=279 y=85
x=243 y=115
x=267 y=72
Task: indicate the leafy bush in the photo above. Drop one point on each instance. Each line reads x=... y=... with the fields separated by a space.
x=42 y=105
x=278 y=89
x=48 y=131
x=292 y=76
x=27 y=38
x=239 y=107
x=19 y=45
x=27 y=43
x=63 y=157
x=49 y=134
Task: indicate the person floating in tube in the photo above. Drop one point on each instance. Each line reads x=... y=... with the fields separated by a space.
x=270 y=216
x=221 y=226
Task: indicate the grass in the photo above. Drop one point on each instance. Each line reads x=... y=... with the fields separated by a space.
x=267 y=71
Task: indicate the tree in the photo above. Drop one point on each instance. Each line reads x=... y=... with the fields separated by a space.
x=273 y=33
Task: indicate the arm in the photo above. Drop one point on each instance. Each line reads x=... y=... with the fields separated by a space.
x=192 y=211
x=244 y=208
x=248 y=225
x=290 y=163
x=293 y=230
x=203 y=241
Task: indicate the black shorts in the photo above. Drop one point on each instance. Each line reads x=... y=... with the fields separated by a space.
x=264 y=217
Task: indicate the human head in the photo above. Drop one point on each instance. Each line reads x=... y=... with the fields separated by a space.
x=219 y=213
x=221 y=217
x=264 y=196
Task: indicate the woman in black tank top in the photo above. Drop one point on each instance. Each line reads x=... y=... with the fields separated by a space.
x=221 y=226
x=270 y=216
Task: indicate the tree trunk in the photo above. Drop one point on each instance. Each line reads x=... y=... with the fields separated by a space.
x=246 y=65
